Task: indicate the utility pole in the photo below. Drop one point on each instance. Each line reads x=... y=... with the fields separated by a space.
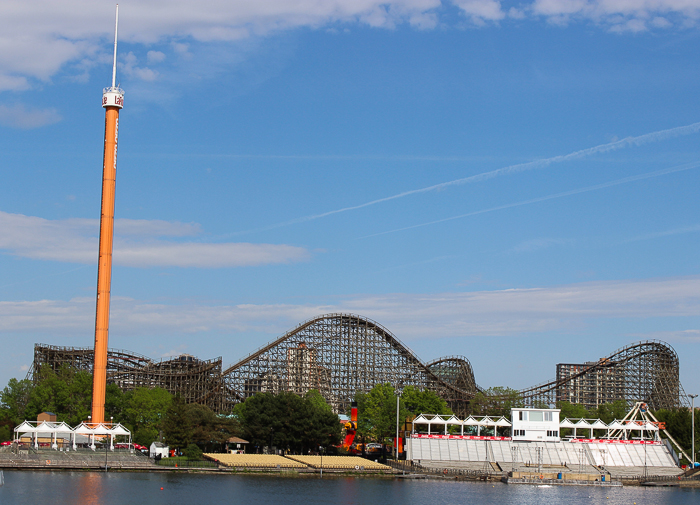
x=692 y=429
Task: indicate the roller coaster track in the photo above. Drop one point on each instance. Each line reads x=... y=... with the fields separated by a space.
x=646 y=371
x=342 y=354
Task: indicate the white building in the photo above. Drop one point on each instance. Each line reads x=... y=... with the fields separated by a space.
x=159 y=448
x=535 y=425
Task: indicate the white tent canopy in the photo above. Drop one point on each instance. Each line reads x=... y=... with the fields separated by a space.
x=616 y=425
x=54 y=429
x=479 y=422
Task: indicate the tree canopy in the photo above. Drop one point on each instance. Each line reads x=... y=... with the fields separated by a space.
x=377 y=410
x=185 y=425
x=496 y=402
x=144 y=410
x=423 y=402
x=288 y=421
x=67 y=393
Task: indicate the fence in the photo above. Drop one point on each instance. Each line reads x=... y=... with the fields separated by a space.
x=411 y=466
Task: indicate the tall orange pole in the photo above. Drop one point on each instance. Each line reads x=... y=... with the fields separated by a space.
x=112 y=101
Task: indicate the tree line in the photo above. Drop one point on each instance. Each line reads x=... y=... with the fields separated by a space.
x=287 y=421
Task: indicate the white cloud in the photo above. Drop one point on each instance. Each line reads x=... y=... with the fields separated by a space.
x=155 y=56
x=130 y=68
x=620 y=15
x=516 y=13
x=509 y=312
x=685 y=336
x=480 y=11
x=39 y=38
x=660 y=22
x=18 y=116
x=137 y=243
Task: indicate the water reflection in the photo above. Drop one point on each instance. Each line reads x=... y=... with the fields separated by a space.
x=113 y=488
x=90 y=489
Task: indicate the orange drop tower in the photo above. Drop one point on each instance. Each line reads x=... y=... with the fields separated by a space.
x=112 y=101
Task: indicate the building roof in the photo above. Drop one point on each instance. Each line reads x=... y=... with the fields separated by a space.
x=236 y=440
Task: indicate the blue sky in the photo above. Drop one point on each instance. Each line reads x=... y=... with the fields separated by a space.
x=280 y=160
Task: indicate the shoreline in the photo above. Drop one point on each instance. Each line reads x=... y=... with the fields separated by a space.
x=314 y=473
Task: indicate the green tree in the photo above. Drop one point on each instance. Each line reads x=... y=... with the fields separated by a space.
x=678 y=426
x=177 y=424
x=377 y=413
x=608 y=412
x=572 y=411
x=259 y=418
x=364 y=423
x=13 y=401
x=495 y=402
x=115 y=404
x=423 y=402
x=193 y=452
x=209 y=430
x=288 y=422
x=324 y=427
x=144 y=411
x=317 y=400
x=67 y=393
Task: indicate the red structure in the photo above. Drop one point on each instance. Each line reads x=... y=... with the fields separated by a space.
x=350 y=427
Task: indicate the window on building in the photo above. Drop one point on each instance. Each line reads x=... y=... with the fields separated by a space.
x=548 y=416
x=523 y=416
x=536 y=416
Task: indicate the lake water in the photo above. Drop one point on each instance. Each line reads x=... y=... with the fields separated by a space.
x=87 y=488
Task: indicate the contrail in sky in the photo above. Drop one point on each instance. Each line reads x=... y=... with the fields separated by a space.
x=617 y=182
x=521 y=167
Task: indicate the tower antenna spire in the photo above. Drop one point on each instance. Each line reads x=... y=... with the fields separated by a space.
x=114 y=65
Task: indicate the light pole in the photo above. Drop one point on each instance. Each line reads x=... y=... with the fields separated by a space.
x=92 y=435
x=396 y=455
x=692 y=429
x=105 y=442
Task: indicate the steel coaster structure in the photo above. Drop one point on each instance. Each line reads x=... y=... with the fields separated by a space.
x=646 y=371
x=195 y=380
x=342 y=354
